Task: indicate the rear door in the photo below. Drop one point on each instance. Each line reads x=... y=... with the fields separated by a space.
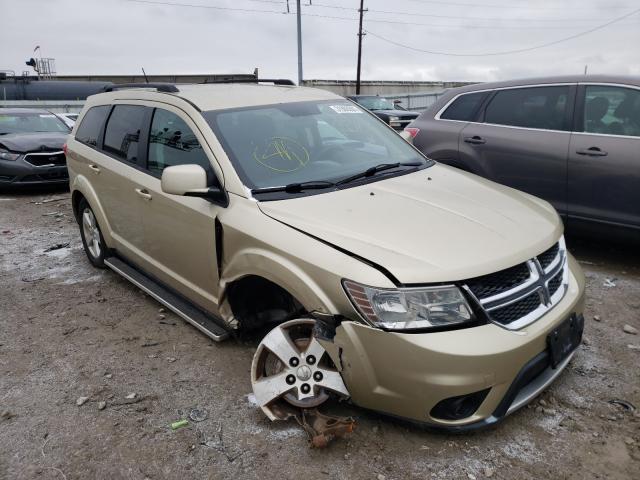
x=89 y=134
x=604 y=155
x=179 y=231
x=438 y=135
x=521 y=140
x=118 y=167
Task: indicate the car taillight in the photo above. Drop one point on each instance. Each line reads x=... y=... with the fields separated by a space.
x=64 y=148
x=412 y=131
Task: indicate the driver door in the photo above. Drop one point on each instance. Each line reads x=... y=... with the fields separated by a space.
x=180 y=236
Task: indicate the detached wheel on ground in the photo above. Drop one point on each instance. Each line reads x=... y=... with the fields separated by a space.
x=92 y=239
x=290 y=366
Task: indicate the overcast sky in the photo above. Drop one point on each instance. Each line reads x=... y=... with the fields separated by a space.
x=121 y=36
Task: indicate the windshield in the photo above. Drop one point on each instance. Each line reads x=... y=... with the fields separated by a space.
x=375 y=103
x=288 y=143
x=31 y=123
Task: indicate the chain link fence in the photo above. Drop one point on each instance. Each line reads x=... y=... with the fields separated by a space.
x=416 y=101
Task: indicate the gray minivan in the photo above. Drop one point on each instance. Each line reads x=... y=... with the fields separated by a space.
x=572 y=140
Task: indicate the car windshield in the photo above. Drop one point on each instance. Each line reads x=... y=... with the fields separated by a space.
x=300 y=142
x=31 y=123
x=375 y=103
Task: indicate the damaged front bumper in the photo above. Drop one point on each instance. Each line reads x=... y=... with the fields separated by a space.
x=20 y=172
x=458 y=380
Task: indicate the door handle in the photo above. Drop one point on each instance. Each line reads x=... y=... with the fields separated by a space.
x=95 y=168
x=144 y=193
x=475 y=140
x=592 y=152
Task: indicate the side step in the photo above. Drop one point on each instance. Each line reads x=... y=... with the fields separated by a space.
x=204 y=322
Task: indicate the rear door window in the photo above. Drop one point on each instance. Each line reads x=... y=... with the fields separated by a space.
x=89 y=130
x=464 y=108
x=612 y=110
x=122 y=134
x=533 y=107
x=172 y=142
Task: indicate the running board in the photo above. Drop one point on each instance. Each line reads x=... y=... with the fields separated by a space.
x=204 y=322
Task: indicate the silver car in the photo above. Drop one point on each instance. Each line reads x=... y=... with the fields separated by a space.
x=573 y=140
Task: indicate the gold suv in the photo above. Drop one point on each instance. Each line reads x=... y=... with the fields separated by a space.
x=410 y=287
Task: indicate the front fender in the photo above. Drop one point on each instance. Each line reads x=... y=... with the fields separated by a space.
x=82 y=185
x=279 y=270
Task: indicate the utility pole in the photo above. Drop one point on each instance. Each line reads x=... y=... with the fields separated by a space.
x=299 y=15
x=360 y=35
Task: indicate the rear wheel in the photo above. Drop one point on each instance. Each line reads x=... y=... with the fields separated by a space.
x=291 y=366
x=92 y=239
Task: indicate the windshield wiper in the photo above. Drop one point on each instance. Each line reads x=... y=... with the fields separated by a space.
x=369 y=172
x=296 y=187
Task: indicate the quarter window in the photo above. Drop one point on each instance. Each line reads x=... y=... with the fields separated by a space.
x=535 y=107
x=612 y=110
x=89 y=130
x=123 y=131
x=464 y=107
x=172 y=142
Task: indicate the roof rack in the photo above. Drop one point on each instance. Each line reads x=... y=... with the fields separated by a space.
x=275 y=81
x=160 y=87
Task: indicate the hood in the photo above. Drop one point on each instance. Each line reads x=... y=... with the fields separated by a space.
x=435 y=225
x=33 y=142
x=399 y=113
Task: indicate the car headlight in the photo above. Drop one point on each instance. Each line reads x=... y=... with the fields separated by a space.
x=410 y=308
x=5 y=155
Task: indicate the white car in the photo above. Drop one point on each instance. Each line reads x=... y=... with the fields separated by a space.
x=68 y=118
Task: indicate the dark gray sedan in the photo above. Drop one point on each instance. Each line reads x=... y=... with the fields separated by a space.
x=31 y=148
x=574 y=141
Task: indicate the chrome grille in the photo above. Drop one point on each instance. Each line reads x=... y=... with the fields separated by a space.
x=555 y=283
x=547 y=257
x=518 y=309
x=499 y=282
x=519 y=295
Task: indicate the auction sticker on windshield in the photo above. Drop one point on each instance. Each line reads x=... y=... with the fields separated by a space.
x=345 y=109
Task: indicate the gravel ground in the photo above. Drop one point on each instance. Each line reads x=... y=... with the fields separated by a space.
x=70 y=331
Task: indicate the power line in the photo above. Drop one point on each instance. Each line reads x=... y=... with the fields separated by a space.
x=503 y=5
x=188 y=5
x=451 y=25
x=458 y=17
x=354 y=19
x=507 y=52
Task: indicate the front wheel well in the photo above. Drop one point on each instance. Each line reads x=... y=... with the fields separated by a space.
x=257 y=302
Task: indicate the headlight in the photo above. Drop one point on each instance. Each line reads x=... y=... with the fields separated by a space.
x=410 y=308
x=4 y=155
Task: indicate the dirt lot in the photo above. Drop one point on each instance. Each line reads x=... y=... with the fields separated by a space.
x=69 y=331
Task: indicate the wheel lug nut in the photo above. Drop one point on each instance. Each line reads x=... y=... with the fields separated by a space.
x=291 y=379
x=305 y=388
x=293 y=361
x=317 y=376
x=311 y=359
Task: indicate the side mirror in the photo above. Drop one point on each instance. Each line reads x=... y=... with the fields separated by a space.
x=180 y=179
x=191 y=181
x=397 y=102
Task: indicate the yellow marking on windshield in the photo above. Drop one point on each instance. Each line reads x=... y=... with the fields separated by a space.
x=282 y=155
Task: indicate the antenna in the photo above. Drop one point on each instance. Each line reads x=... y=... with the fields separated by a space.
x=145 y=75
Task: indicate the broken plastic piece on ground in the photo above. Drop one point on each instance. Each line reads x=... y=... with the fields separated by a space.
x=323 y=429
x=624 y=404
x=179 y=424
x=49 y=200
x=57 y=246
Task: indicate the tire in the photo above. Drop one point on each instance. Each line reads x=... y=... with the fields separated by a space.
x=92 y=239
